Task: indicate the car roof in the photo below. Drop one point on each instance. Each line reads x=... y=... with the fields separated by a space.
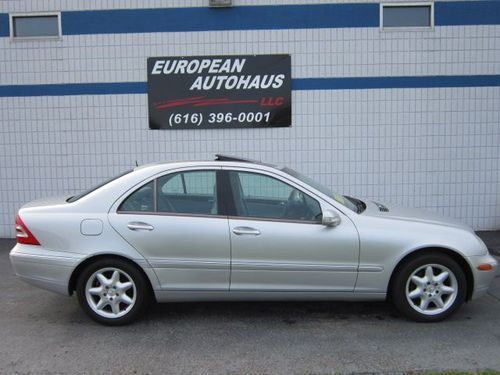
x=220 y=159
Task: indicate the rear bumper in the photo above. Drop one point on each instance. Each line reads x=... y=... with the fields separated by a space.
x=43 y=268
x=482 y=279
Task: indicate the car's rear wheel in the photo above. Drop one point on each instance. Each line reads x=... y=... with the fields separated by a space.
x=429 y=287
x=112 y=291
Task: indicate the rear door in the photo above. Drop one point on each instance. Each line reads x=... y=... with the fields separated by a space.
x=278 y=242
x=176 y=223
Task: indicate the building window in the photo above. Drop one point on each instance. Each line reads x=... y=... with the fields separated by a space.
x=37 y=25
x=408 y=15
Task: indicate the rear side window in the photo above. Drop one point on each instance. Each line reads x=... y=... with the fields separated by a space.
x=141 y=200
x=192 y=192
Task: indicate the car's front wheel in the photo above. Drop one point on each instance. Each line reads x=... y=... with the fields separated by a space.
x=429 y=287
x=112 y=291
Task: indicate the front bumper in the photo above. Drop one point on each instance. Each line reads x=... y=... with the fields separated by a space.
x=482 y=279
x=44 y=268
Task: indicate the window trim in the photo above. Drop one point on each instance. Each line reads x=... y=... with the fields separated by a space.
x=155 y=179
x=35 y=14
x=152 y=213
x=406 y=5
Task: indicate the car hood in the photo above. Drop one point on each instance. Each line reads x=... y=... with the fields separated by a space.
x=396 y=212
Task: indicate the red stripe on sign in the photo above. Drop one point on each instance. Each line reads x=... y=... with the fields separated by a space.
x=200 y=101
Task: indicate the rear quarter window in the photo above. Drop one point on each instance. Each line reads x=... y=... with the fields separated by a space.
x=141 y=200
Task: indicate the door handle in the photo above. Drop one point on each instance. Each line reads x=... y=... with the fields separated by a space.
x=239 y=231
x=137 y=225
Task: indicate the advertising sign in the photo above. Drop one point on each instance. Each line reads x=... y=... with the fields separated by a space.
x=205 y=92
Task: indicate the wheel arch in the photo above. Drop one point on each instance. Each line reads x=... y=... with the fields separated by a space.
x=78 y=270
x=457 y=257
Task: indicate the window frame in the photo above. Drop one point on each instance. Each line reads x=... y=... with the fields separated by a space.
x=232 y=209
x=12 y=16
x=406 y=5
x=225 y=200
x=218 y=181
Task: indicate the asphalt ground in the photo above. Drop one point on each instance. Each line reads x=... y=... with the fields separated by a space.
x=41 y=332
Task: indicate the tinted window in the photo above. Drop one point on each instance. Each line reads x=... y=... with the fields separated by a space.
x=259 y=186
x=174 y=185
x=407 y=16
x=141 y=200
x=35 y=26
x=192 y=192
x=257 y=195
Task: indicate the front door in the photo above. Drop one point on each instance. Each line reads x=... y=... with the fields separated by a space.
x=278 y=242
x=174 y=222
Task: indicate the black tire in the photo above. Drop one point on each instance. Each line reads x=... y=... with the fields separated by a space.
x=140 y=289
x=399 y=285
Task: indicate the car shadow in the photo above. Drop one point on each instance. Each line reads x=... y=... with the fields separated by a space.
x=286 y=312
x=247 y=313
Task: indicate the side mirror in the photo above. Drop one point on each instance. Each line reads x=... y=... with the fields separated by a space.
x=330 y=219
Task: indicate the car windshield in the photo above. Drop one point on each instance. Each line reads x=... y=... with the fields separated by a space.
x=348 y=202
x=74 y=198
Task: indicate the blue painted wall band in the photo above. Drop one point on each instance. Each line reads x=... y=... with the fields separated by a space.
x=347 y=83
x=209 y=19
x=467 y=13
x=353 y=83
x=112 y=88
x=4 y=24
x=269 y=17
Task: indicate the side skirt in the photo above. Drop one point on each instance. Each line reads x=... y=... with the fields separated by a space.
x=197 y=296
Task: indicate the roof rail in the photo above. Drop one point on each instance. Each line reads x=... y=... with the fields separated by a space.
x=221 y=157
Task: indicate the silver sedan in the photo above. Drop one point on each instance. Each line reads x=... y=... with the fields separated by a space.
x=234 y=229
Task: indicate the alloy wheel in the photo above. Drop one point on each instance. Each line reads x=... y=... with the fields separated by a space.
x=110 y=292
x=431 y=289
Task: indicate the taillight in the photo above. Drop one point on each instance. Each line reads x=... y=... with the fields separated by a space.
x=23 y=235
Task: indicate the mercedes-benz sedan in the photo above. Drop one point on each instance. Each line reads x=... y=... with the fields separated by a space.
x=233 y=229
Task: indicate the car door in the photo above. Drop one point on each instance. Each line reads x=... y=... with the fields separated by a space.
x=175 y=223
x=278 y=242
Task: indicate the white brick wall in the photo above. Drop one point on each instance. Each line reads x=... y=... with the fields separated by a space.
x=434 y=148
x=350 y=52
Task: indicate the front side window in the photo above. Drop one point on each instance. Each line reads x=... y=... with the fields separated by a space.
x=191 y=192
x=262 y=196
x=413 y=15
x=35 y=26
